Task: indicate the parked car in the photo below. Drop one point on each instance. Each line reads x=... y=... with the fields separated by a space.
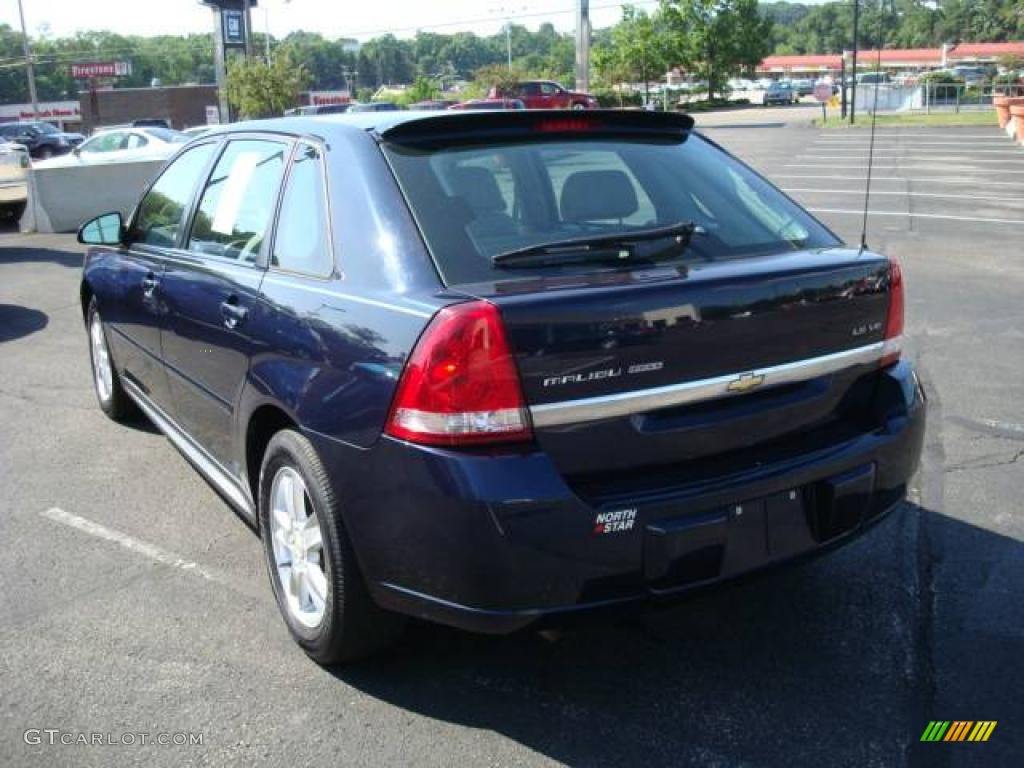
x=493 y=367
x=489 y=104
x=121 y=145
x=375 y=106
x=151 y=122
x=780 y=92
x=433 y=104
x=803 y=87
x=197 y=130
x=546 y=94
x=41 y=139
x=14 y=169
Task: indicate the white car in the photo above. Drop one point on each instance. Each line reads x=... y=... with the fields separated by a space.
x=119 y=145
x=14 y=164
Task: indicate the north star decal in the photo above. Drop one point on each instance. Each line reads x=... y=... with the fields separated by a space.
x=619 y=521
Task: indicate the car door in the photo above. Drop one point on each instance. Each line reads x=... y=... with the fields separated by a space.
x=133 y=303
x=553 y=97
x=529 y=94
x=211 y=290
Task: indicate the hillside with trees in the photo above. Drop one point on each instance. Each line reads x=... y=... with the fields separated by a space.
x=712 y=39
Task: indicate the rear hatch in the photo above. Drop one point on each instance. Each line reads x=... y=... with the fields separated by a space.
x=634 y=370
x=660 y=358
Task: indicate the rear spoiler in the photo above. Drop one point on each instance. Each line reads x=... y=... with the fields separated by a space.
x=505 y=125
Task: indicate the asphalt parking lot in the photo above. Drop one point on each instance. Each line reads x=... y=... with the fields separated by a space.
x=135 y=601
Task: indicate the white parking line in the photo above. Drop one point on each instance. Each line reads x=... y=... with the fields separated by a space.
x=891 y=135
x=922 y=167
x=880 y=142
x=151 y=551
x=951 y=158
x=873 y=212
x=901 y=179
x=903 y=193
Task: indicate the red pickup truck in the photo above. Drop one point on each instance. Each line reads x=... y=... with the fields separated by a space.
x=545 y=94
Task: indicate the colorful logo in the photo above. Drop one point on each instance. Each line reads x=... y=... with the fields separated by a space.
x=958 y=730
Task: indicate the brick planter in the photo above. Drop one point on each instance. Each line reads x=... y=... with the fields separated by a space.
x=1002 y=105
x=1017 y=113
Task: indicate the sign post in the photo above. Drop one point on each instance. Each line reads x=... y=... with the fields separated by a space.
x=231 y=29
x=823 y=93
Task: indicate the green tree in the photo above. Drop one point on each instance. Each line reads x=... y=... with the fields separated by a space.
x=714 y=39
x=637 y=51
x=498 y=77
x=258 y=89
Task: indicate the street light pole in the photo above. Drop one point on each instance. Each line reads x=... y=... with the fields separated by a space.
x=28 y=64
x=853 y=61
x=508 y=42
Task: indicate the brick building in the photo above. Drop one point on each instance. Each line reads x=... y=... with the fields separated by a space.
x=182 y=105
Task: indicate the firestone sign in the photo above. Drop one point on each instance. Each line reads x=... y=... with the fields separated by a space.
x=101 y=69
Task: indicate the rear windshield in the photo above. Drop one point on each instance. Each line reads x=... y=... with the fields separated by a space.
x=475 y=201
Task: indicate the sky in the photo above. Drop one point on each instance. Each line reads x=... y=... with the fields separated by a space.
x=361 y=19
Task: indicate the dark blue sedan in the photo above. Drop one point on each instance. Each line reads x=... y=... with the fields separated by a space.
x=489 y=368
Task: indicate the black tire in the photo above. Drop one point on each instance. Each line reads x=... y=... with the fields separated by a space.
x=353 y=626
x=117 y=405
x=45 y=153
x=14 y=211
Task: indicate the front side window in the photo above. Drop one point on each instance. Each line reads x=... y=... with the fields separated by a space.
x=549 y=89
x=162 y=211
x=302 y=243
x=104 y=142
x=476 y=201
x=237 y=204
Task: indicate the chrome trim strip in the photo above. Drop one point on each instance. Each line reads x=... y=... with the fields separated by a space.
x=209 y=467
x=641 y=401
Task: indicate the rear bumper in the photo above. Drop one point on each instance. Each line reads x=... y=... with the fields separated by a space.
x=492 y=543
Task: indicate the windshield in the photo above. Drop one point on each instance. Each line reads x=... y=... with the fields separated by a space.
x=43 y=128
x=474 y=202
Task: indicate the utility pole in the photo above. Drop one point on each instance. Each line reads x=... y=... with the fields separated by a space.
x=583 y=45
x=853 y=62
x=247 y=14
x=28 y=64
x=508 y=42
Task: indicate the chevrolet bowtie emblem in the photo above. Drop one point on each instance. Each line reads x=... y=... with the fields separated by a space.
x=746 y=382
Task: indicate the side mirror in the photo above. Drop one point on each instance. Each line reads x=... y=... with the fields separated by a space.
x=76 y=151
x=107 y=229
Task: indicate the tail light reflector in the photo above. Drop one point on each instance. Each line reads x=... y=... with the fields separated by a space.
x=894 y=319
x=460 y=385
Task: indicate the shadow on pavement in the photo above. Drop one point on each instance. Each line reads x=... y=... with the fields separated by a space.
x=17 y=321
x=15 y=255
x=813 y=665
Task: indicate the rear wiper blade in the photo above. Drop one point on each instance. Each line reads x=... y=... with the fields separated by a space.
x=680 y=232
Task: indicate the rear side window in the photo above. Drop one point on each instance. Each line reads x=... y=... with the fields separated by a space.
x=302 y=243
x=162 y=210
x=475 y=201
x=237 y=203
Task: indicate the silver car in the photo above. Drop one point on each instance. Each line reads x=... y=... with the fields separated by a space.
x=14 y=167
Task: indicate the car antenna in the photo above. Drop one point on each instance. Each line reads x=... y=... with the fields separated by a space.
x=874 y=117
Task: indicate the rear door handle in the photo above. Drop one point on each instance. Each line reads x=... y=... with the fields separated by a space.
x=149 y=284
x=232 y=313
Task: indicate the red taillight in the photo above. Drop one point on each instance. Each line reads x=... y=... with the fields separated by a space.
x=460 y=385
x=894 y=320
